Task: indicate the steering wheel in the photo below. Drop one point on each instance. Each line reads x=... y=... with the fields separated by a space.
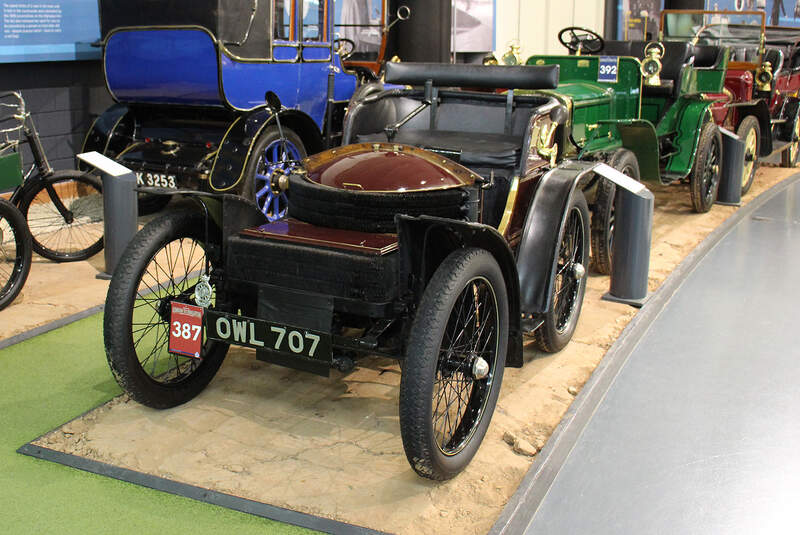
x=344 y=47
x=581 y=40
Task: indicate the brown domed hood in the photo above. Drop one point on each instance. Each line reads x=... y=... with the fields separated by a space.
x=385 y=167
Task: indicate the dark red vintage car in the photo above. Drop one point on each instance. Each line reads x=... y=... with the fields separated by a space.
x=439 y=236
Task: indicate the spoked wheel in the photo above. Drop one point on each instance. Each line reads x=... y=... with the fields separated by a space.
x=271 y=154
x=65 y=216
x=569 y=283
x=750 y=132
x=15 y=252
x=454 y=364
x=604 y=210
x=790 y=155
x=705 y=175
x=165 y=262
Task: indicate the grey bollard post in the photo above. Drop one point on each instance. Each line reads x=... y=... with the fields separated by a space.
x=730 y=184
x=120 y=210
x=632 y=233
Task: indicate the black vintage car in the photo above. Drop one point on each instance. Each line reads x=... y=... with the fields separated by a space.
x=440 y=235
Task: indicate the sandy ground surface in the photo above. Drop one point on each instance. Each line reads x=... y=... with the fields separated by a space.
x=332 y=446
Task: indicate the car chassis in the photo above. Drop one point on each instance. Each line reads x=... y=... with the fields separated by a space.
x=391 y=248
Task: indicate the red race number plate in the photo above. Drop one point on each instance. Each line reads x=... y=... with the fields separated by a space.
x=186 y=330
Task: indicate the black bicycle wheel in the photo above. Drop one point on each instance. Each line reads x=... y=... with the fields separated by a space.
x=163 y=264
x=454 y=364
x=15 y=252
x=65 y=216
x=569 y=284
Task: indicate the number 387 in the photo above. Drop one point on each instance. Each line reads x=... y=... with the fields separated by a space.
x=185 y=330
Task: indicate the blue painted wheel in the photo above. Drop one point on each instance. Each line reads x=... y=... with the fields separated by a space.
x=274 y=154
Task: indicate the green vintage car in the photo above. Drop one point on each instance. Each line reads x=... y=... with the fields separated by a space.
x=643 y=108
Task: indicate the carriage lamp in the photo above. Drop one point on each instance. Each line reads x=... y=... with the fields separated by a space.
x=764 y=77
x=651 y=64
x=512 y=57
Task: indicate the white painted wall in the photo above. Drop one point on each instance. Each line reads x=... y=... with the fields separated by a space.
x=536 y=23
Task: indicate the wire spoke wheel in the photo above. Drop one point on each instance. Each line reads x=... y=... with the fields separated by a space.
x=454 y=364
x=65 y=216
x=171 y=275
x=706 y=172
x=459 y=399
x=164 y=263
x=15 y=252
x=569 y=278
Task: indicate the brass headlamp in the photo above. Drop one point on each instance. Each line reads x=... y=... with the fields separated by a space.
x=651 y=64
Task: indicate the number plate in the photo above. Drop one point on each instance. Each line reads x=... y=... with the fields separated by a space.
x=607 y=69
x=186 y=330
x=260 y=334
x=156 y=180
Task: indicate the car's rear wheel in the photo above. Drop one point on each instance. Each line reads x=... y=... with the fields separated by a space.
x=569 y=282
x=604 y=210
x=705 y=175
x=454 y=364
x=750 y=133
x=164 y=263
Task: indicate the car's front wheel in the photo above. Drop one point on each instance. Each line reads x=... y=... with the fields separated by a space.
x=705 y=175
x=569 y=282
x=454 y=364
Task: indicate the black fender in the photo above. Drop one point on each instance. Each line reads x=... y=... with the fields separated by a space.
x=109 y=134
x=236 y=148
x=761 y=112
x=789 y=112
x=425 y=241
x=538 y=249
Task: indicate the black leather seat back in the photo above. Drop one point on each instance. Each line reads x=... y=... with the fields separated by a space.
x=706 y=55
x=775 y=57
x=464 y=75
x=616 y=48
x=676 y=54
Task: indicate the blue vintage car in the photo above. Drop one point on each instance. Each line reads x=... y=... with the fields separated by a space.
x=189 y=79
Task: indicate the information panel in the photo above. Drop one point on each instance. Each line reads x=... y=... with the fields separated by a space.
x=48 y=30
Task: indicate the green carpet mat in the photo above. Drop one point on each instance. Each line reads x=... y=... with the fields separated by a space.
x=47 y=381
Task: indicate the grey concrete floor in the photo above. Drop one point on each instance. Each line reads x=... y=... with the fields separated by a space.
x=694 y=425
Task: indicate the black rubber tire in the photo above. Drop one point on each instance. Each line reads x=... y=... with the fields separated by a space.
x=791 y=154
x=603 y=210
x=368 y=211
x=556 y=331
x=464 y=270
x=15 y=264
x=748 y=124
x=118 y=320
x=80 y=193
x=705 y=175
x=269 y=135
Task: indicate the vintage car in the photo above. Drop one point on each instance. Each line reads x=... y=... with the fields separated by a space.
x=759 y=100
x=439 y=235
x=189 y=79
x=641 y=107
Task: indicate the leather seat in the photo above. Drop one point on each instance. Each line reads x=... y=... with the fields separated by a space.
x=706 y=56
x=477 y=149
x=676 y=55
x=615 y=48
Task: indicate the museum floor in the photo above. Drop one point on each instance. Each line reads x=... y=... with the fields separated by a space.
x=658 y=439
x=690 y=423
